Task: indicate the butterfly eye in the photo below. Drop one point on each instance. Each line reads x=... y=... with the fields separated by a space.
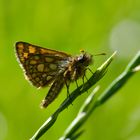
x=80 y=58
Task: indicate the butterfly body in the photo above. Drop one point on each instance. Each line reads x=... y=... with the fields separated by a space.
x=44 y=66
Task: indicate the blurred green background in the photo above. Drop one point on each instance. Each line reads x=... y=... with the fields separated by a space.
x=69 y=25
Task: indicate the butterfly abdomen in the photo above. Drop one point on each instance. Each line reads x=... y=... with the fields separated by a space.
x=53 y=91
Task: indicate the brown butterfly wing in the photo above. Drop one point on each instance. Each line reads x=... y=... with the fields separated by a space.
x=40 y=65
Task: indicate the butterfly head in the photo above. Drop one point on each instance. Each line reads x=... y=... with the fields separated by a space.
x=84 y=58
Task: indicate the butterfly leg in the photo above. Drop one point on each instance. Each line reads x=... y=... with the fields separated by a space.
x=76 y=83
x=90 y=70
x=83 y=78
x=67 y=83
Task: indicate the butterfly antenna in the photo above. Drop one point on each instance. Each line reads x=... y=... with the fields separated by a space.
x=99 y=54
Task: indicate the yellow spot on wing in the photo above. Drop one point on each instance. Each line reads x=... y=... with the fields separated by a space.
x=33 y=75
x=48 y=78
x=25 y=55
x=40 y=67
x=37 y=79
x=49 y=59
x=44 y=75
x=53 y=66
x=32 y=49
x=33 y=62
x=43 y=51
x=20 y=46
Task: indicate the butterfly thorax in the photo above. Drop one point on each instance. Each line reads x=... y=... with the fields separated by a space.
x=77 y=66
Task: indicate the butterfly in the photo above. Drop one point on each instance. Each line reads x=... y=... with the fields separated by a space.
x=43 y=67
